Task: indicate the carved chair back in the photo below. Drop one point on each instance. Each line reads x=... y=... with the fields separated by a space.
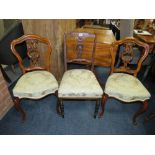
x=127 y=55
x=79 y=47
x=34 y=44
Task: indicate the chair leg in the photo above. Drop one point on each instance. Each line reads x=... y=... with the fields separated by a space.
x=19 y=108
x=104 y=100
x=58 y=110
x=97 y=105
x=142 y=109
x=62 y=108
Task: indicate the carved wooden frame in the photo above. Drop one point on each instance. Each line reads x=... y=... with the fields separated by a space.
x=31 y=41
x=79 y=37
x=127 y=41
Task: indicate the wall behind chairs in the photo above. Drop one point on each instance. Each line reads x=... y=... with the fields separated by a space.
x=1 y=28
x=126 y=28
x=13 y=32
x=53 y=29
x=5 y=99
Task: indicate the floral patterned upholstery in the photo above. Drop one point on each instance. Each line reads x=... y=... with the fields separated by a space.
x=35 y=85
x=126 y=88
x=79 y=83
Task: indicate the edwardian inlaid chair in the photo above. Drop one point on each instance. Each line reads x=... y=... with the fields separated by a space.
x=123 y=83
x=36 y=81
x=78 y=83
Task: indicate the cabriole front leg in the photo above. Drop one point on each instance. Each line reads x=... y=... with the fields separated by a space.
x=142 y=109
x=18 y=107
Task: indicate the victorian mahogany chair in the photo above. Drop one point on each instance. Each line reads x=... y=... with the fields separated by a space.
x=77 y=84
x=123 y=83
x=36 y=81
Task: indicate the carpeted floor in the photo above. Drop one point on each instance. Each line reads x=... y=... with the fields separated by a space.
x=42 y=118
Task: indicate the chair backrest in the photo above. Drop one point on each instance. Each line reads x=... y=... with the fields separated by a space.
x=79 y=47
x=6 y=56
x=34 y=45
x=127 y=55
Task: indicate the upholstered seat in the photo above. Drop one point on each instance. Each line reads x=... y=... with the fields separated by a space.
x=126 y=87
x=79 y=83
x=79 y=48
x=35 y=85
x=36 y=81
x=123 y=84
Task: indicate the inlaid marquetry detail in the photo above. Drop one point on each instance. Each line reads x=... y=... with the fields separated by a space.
x=77 y=45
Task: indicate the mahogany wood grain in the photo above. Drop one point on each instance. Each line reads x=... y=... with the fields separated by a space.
x=150 y=39
x=104 y=39
x=143 y=108
x=19 y=108
x=33 y=52
x=127 y=55
x=79 y=47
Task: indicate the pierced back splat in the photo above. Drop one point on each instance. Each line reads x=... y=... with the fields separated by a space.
x=127 y=55
x=33 y=52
